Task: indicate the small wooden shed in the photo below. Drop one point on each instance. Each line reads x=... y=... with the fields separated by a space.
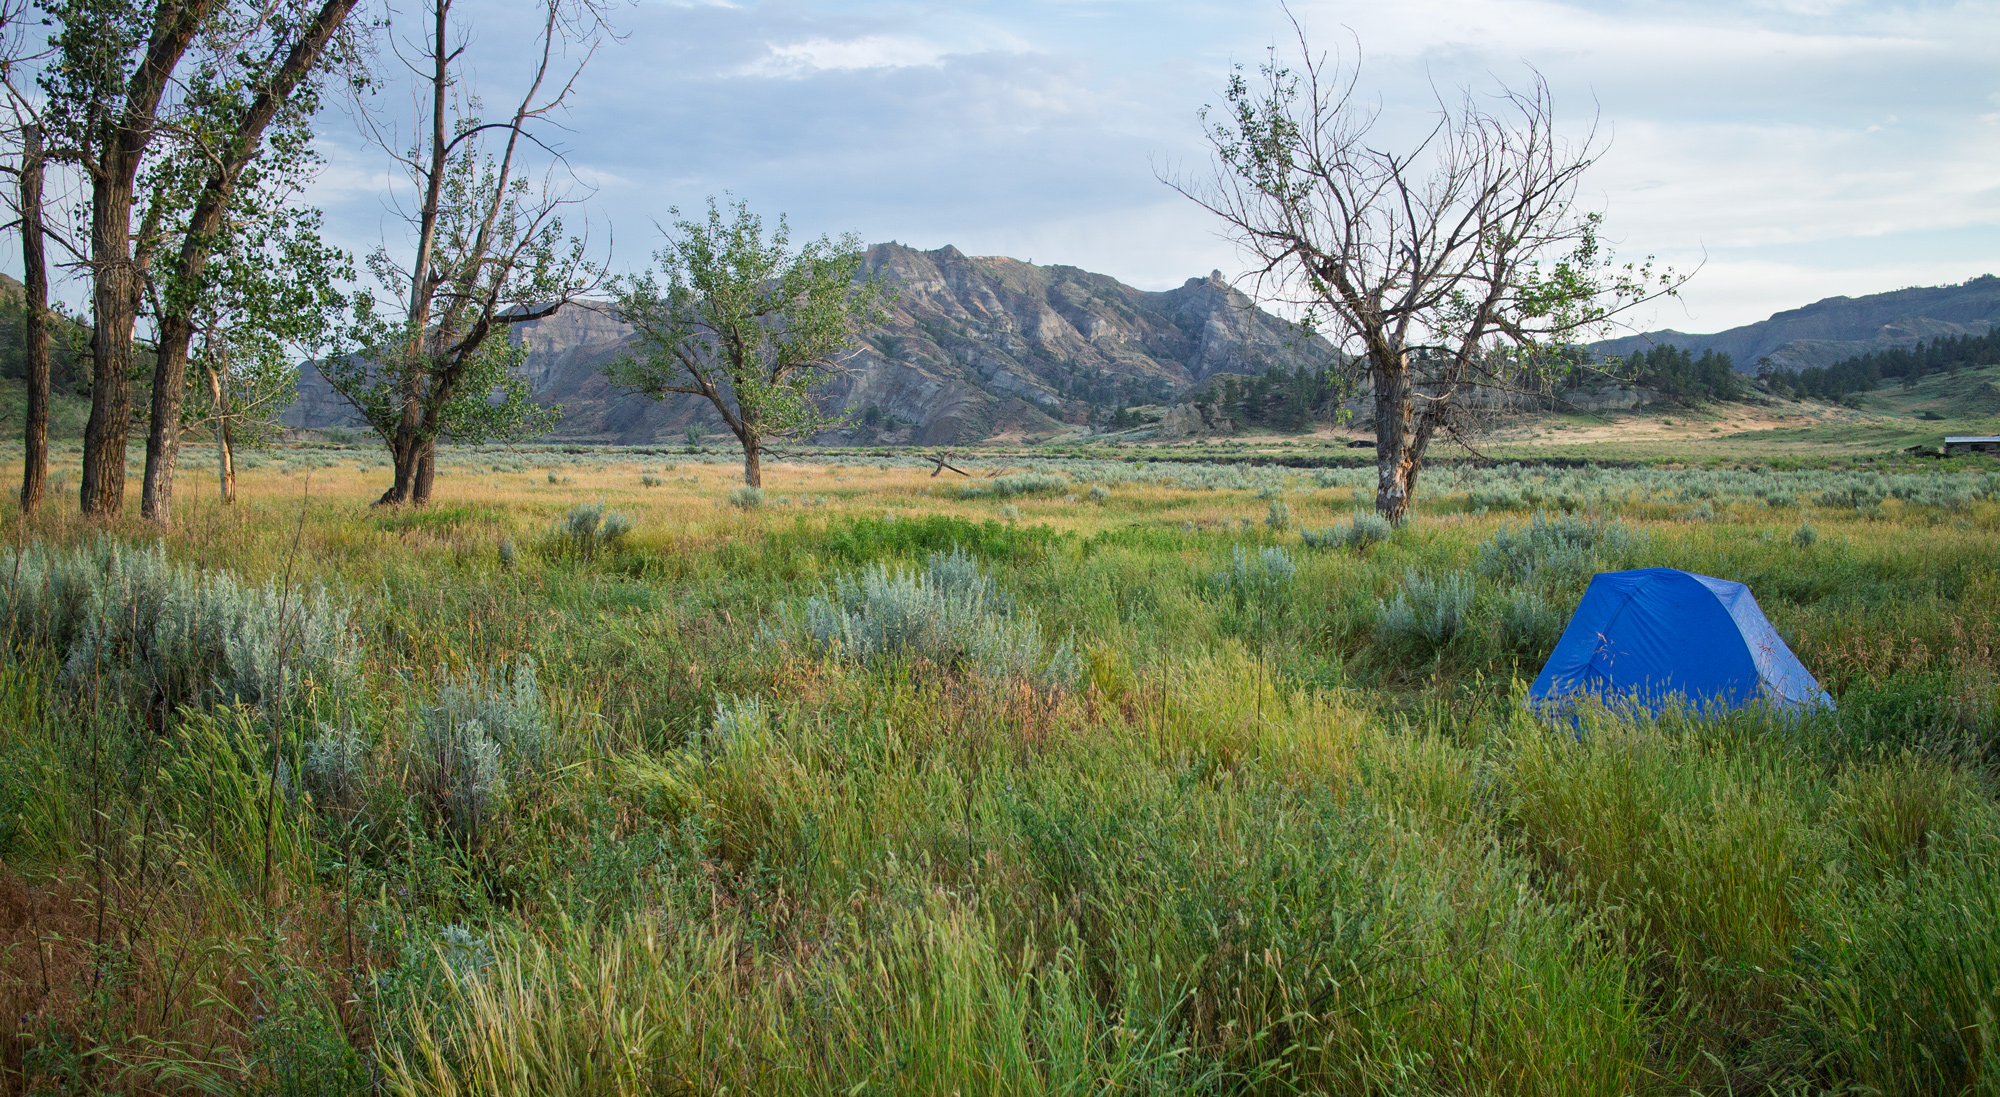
x=1971 y=443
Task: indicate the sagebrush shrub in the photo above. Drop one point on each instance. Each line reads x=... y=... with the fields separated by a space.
x=1259 y=580
x=951 y=613
x=484 y=729
x=1528 y=623
x=1426 y=612
x=1279 y=517
x=1365 y=528
x=163 y=635
x=1565 y=547
x=589 y=529
x=334 y=766
x=747 y=498
x=734 y=720
x=1020 y=483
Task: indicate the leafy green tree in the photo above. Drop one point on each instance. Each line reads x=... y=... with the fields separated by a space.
x=747 y=324
x=1459 y=261
x=109 y=91
x=272 y=299
x=244 y=143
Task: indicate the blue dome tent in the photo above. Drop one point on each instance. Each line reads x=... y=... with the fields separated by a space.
x=1658 y=636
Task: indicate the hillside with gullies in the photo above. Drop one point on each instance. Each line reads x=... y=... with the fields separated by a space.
x=975 y=346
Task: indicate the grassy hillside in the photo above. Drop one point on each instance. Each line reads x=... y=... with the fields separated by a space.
x=1148 y=792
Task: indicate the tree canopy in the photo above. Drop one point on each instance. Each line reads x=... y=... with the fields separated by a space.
x=746 y=323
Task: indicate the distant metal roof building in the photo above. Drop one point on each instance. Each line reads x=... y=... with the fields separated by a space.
x=1971 y=443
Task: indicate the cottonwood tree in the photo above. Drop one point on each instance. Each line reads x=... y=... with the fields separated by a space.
x=135 y=93
x=272 y=299
x=1458 y=262
x=747 y=324
x=30 y=211
x=434 y=359
x=34 y=315
x=244 y=141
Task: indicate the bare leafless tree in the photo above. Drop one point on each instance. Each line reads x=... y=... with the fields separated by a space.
x=1460 y=262
x=489 y=250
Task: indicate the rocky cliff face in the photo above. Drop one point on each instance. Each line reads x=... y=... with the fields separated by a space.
x=975 y=346
x=1836 y=328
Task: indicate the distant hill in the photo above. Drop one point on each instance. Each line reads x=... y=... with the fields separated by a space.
x=1837 y=328
x=977 y=345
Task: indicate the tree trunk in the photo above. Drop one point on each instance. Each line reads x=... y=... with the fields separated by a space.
x=163 y=437
x=34 y=323
x=420 y=486
x=753 y=469
x=114 y=301
x=225 y=449
x=403 y=456
x=1396 y=456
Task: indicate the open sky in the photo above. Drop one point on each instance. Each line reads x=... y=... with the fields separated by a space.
x=1795 y=150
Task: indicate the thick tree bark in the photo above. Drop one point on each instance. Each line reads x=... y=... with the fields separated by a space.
x=177 y=327
x=420 y=485
x=1395 y=464
x=115 y=305
x=753 y=467
x=34 y=323
x=403 y=458
x=1405 y=421
x=163 y=435
x=115 y=271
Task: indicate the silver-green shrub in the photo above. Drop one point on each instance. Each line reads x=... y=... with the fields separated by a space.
x=483 y=729
x=1426 y=612
x=1528 y=623
x=1020 y=483
x=334 y=766
x=1564 y=547
x=951 y=613
x=589 y=529
x=1264 y=578
x=164 y=635
x=1365 y=528
x=734 y=720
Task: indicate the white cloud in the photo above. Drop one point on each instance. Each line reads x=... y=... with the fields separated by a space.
x=875 y=51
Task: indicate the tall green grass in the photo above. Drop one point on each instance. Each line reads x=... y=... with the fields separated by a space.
x=568 y=826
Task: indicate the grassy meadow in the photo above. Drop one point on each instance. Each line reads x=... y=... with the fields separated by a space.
x=603 y=775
